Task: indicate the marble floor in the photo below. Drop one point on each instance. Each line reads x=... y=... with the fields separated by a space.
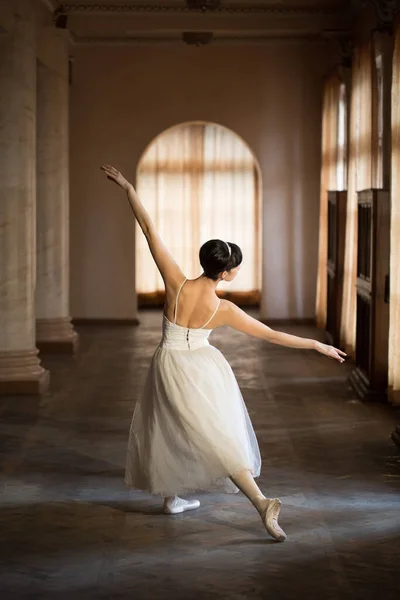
x=69 y=528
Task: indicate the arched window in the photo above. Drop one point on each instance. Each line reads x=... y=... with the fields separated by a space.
x=199 y=181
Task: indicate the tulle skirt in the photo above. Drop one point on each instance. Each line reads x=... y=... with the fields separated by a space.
x=191 y=429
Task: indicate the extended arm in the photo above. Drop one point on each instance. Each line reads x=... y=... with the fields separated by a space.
x=237 y=319
x=170 y=271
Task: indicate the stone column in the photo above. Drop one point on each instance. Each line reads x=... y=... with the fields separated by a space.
x=20 y=369
x=54 y=332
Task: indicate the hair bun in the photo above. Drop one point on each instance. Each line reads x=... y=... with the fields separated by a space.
x=214 y=260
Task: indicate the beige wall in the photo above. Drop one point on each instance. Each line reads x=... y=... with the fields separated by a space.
x=123 y=96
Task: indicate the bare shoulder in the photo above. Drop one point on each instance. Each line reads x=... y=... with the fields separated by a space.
x=229 y=309
x=231 y=315
x=235 y=317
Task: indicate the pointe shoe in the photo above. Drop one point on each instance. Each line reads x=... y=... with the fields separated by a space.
x=269 y=515
x=179 y=505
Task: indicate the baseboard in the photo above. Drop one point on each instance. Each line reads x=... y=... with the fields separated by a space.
x=363 y=389
x=106 y=322
x=58 y=346
x=26 y=387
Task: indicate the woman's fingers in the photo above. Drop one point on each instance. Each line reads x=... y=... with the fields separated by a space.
x=114 y=175
x=335 y=354
x=109 y=170
x=340 y=352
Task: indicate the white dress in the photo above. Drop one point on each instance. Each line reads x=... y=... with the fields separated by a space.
x=190 y=429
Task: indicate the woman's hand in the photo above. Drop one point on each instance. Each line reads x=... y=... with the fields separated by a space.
x=168 y=268
x=330 y=351
x=116 y=176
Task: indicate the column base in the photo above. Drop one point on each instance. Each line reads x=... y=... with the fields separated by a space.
x=396 y=436
x=364 y=389
x=22 y=374
x=56 y=336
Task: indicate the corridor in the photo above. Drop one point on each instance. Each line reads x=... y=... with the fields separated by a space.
x=72 y=530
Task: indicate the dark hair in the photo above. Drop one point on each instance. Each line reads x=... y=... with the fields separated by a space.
x=216 y=258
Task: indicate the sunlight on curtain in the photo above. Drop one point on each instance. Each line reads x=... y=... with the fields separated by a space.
x=394 y=328
x=377 y=120
x=342 y=143
x=363 y=174
x=366 y=117
x=229 y=210
x=329 y=176
x=348 y=319
x=198 y=182
x=169 y=184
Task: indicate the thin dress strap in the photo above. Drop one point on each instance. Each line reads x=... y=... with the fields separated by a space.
x=177 y=298
x=213 y=315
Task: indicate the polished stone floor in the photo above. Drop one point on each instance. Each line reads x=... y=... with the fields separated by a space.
x=70 y=529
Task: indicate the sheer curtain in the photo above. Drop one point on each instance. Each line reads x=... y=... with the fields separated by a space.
x=198 y=181
x=230 y=209
x=342 y=144
x=329 y=175
x=377 y=115
x=363 y=174
x=394 y=328
x=366 y=138
x=348 y=319
x=169 y=181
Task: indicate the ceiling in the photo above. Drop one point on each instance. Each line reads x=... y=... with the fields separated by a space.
x=165 y=21
x=226 y=3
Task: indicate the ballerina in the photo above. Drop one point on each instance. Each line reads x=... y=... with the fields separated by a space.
x=191 y=429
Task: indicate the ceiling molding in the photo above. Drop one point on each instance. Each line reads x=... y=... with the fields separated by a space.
x=67 y=8
x=217 y=41
x=146 y=24
x=51 y=5
x=203 y=5
x=385 y=10
x=198 y=38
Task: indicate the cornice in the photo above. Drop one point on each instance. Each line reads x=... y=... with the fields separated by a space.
x=68 y=8
x=240 y=21
x=217 y=41
x=52 y=5
x=385 y=9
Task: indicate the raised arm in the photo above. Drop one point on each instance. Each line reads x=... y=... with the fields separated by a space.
x=236 y=318
x=170 y=271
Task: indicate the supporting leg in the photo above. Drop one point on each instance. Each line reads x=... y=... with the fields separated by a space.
x=174 y=505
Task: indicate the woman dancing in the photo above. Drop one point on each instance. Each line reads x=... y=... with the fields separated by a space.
x=191 y=429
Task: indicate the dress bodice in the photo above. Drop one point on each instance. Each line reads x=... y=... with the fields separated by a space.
x=176 y=337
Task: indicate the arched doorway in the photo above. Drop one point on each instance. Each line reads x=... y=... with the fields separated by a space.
x=200 y=181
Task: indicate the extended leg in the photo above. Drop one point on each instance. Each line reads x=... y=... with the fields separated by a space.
x=268 y=508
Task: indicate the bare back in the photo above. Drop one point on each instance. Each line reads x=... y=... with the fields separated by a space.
x=195 y=305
